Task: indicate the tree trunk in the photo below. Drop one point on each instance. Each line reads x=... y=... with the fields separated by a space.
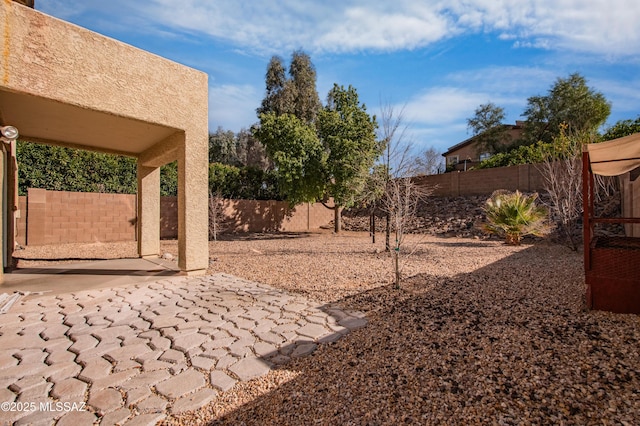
x=396 y=258
x=337 y=219
x=372 y=227
x=387 y=244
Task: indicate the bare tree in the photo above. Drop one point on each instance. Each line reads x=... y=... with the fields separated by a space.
x=400 y=196
x=216 y=214
x=429 y=162
x=562 y=173
x=400 y=201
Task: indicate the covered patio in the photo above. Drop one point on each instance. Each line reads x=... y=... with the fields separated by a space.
x=612 y=263
x=64 y=85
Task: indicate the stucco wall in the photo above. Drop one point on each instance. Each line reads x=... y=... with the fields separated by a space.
x=66 y=85
x=57 y=60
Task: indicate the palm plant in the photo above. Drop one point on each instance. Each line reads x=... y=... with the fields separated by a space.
x=514 y=215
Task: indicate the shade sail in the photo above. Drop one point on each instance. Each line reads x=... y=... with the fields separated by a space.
x=615 y=157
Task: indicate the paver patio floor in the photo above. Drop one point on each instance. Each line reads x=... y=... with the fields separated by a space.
x=135 y=353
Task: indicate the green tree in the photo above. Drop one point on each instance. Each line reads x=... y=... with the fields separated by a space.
x=316 y=152
x=222 y=147
x=297 y=154
x=487 y=126
x=348 y=135
x=570 y=102
x=65 y=169
x=296 y=94
x=242 y=182
x=251 y=152
x=277 y=95
x=622 y=128
x=306 y=102
x=169 y=179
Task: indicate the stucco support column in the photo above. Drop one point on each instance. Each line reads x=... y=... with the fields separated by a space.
x=193 y=204
x=148 y=211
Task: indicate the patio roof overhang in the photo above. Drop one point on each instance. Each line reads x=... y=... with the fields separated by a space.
x=44 y=120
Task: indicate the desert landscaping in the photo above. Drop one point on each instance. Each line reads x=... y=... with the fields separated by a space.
x=479 y=333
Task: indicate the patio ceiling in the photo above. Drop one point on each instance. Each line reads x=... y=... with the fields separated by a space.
x=48 y=121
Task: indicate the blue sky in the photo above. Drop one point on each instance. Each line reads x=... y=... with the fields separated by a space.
x=438 y=60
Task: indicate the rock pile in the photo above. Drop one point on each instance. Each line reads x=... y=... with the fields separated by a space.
x=462 y=217
x=441 y=216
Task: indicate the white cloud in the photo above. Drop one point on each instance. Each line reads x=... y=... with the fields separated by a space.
x=600 y=26
x=366 y=27
x=606 y=27
x=233 y=107
x=442 y=105
x=508 y=84
x=438 y=115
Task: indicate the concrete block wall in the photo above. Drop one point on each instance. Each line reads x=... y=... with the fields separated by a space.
x=525 y=177
x=254 y=216
x=54 y=217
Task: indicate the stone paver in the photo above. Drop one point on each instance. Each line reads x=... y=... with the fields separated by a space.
x=60 y=371
x=117 y=417
x=184 y=343
x=94 y=369
x=221 y=380
x=194 y=401
x=135 y=354
x=83 y=343
x=75 y=418
x=152 y=404
x=127 y=353
x=203 y=362
x=106 y=400
x=250 y=368
x=69 y=389
x=181 y=384
x=315 y=331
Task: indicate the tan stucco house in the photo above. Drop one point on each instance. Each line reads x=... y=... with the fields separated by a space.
x=466 y=154
x=61 y=84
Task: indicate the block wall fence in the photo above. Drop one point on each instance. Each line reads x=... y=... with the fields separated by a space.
x=524 y=177
x=57 y=217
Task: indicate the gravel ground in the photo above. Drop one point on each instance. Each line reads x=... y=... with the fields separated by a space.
x=479 y=333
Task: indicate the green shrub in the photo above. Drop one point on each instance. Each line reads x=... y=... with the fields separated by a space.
x=249 y=183
x=523 y=154
x=514 y=215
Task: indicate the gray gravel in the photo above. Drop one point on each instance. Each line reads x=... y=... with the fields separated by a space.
x=481 y=333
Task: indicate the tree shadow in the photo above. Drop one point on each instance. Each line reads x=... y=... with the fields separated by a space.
x=259 y=236
x=507 y=343
x=255 y=216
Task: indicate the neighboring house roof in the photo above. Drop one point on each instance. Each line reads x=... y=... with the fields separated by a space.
x=460 y=145
x=472 y=139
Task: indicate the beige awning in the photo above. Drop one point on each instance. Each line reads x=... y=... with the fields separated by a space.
x=615 y=157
